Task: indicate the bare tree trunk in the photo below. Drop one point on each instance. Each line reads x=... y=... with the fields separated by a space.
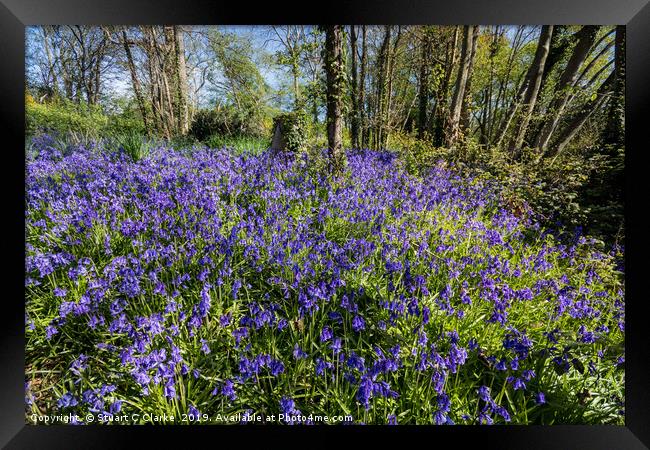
x=181 y=76
x=137 y=89
x=465 y=107
x=453 y=123
x=335 y=74
x=586 y=38
x=362 y=90
x=354 y=131
x=423 y=85
x=534 y=79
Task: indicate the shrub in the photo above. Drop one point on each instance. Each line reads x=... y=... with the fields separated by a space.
x=417 y=155
x=226 y=121
x=208 y=122
x=63 y=117
x=136 y=145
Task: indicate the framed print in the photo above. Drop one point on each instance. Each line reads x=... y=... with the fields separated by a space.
x=413 y=219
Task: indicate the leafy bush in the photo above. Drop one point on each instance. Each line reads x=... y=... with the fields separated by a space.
x=226 y=121
x=63 y=117
x=417 y=155
x=562 y=194
x=208 y=122
x=580 y=187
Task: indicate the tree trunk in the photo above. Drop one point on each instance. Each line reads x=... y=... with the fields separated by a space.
x=387 y=119
x=381 y=87
x=362 y=90
x=137 y=89
x=614 y=132
x=452 y=130
x=335 y=76
x=50 y=62
x=465 y=107
x=440 y=111
x=423 y=85
x=499 y=118
x=585 y=40
x=354 y=129
x=534 y=80
x=181 y=76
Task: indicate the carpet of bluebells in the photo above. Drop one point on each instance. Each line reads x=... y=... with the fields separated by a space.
x=196 y=284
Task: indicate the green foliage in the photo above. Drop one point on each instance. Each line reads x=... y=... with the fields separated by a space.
x=245 y=89
x=68 y=118
x=581 y=187
x=134 y=144
x=568 y=192
x=208 y=122
x=294 y=127
x=417 y=155
x=239 y=144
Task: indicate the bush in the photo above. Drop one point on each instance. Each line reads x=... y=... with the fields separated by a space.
x=417 y=155
x=208 y=122
x=561 y=194
x=63 y=117
x=226 y=121
x=581 y=187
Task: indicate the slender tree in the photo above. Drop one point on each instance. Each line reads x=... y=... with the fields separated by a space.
x=362 y=89
x=354 y=85
x=614 y=131
x=441 y=112
x=135 y=81
x=335 y=75
x=452 y=131
x=533 y=81
x=467 y=95
x=423 y=82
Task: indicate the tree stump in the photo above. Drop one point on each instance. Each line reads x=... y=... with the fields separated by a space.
x=289 y=132
x=279 y=142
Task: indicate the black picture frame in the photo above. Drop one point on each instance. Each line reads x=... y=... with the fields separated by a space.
x=16 y=14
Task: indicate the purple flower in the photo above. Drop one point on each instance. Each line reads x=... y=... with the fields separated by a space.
x=326 y=334
x=228 y=390
x=358 y=324
x=336 y=345
x=67 y=400
x=298 y=353
x=193 y=412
